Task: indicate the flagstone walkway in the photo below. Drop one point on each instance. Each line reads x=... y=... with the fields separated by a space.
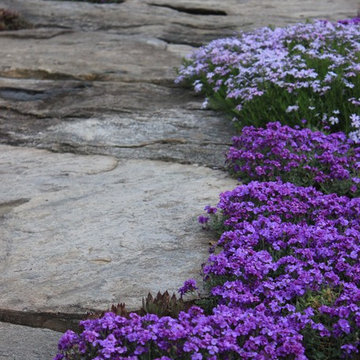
x=105 y=163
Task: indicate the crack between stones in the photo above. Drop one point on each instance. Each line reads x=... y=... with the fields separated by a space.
x=19 y=112
x=45 y=320
x=169 y=141
x=15 y=35
x=134 y=26
x=88 y=112
x=129 y=146
x=78 y=115
x=45 y=75
x=200 y=27
x=192 y=11
x=194 y=44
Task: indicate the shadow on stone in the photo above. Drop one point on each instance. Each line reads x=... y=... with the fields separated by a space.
x=10 y=20
x=8 y=206
x=22 y=94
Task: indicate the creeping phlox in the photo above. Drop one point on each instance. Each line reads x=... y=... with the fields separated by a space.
x=301 y=156
x=307 y=71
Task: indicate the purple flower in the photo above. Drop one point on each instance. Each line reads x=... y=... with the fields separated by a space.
x=344 y=326
x=203 y=219
x=68 y=340
x=294 y=72
x=304 y=157
x=213 y=210
x=189 y=286
x=355 y=20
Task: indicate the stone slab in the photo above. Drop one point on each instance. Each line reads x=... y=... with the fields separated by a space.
x=98 y=79
x=178 y=21
x=86 y=56
x=129 y=41
x=133 y=120
x=25 y=343
x=83 y=232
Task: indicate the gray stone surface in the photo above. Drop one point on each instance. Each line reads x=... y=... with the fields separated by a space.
x=178 y=21
x=88 y=231
x=89 y=56
x=25 y=343
x=109 y=69
x=133 y=120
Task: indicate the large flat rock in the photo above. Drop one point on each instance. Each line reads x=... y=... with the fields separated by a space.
x=25 y=343
x=103 y=93
x=136 y=40
x=98 y=78
x=86 y=55
x=178 y=21
x=133 y=120
x=83 y=232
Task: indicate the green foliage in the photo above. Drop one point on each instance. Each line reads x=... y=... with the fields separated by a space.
x=324 y=347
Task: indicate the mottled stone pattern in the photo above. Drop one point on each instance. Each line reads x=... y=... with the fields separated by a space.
x=105 y=163
x=89 y=231
x=53 y=77
x=25 y=343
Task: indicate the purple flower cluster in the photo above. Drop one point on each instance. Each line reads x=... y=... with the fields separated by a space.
x=307 y=71
x=229 y=333
x=286 y=278
x=189 y=286
x=301 y=156
x=295 y=251
x=355 y=20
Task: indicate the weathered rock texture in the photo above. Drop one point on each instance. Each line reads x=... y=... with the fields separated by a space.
x=98 y=79
x=20 y=342
x=82 y=232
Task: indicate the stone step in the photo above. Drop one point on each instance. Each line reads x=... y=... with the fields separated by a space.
x=25 y=343
x=85 y=232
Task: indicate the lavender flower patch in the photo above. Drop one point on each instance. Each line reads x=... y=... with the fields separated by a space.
x=303 y=71
x=301 y=156
x=229 y=333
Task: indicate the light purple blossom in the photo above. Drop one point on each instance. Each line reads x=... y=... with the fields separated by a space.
x=292 y=69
